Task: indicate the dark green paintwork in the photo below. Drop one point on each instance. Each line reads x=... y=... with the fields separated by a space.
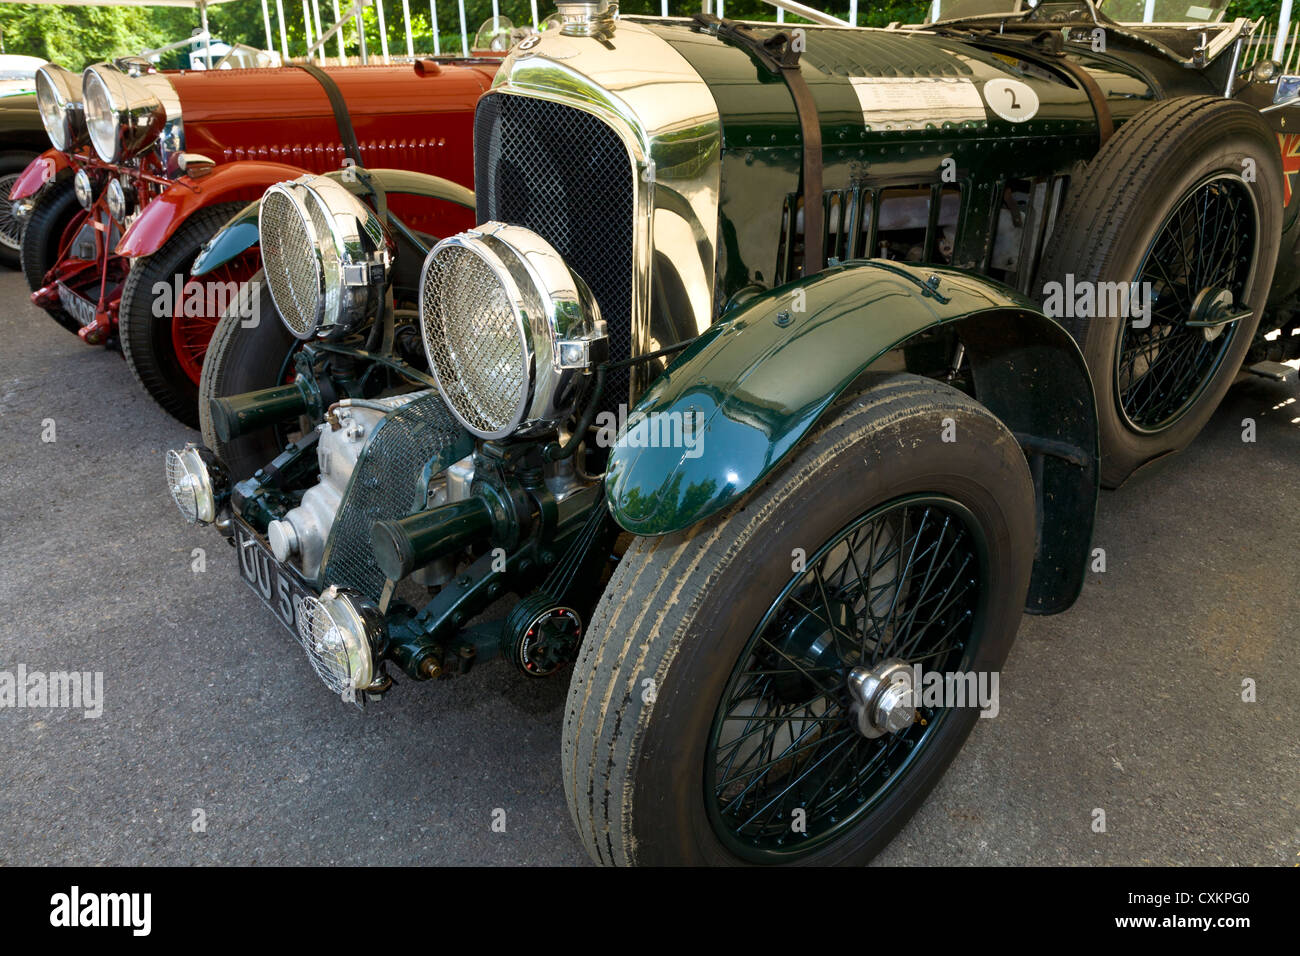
x=761 y=379
x=762 y=154
x=760 y=385
x=239 y=233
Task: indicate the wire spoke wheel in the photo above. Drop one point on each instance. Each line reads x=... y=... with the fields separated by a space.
x=902 y=583
x=746 y=691
x=11 y=230
x=1198 y=268
x=1166 y=211
x=192 y=327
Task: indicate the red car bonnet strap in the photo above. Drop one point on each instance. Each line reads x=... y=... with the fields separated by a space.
x=346 y=133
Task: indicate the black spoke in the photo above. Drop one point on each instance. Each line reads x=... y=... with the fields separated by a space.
x=899 y=584
x=1205 y=248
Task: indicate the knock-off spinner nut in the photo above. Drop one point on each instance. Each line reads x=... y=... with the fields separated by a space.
x=883 y=699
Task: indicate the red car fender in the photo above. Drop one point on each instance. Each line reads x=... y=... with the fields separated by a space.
x=40 y=171
x=229 y=182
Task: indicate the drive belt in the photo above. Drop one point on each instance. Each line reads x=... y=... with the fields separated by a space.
x=347 y=134
x=777 y=55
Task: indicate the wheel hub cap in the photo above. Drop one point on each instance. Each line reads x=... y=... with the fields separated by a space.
x=883 y=702
x=1212 y=311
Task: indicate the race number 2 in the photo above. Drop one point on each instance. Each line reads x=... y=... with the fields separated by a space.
x=1014 y=101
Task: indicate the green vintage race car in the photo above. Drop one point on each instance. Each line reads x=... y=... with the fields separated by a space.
x=744 y=399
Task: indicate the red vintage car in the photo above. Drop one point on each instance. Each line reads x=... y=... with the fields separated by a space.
x=147 y=166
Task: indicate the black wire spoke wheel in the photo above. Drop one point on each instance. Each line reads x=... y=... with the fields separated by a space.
x=745 y=693
x=11 y=230
x=1166 y=207
x=243 y=357
x=901 y=584
x=1197 y=267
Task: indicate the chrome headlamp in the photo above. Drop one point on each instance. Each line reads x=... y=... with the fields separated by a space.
x=190 y=484
x=124 y=115
x=508 y=329
x=121 y=203
x=336 y=631
x=58 y=100
x=83 y=186
x=325 y=254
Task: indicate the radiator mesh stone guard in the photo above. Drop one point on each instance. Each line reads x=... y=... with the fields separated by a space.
x=566 y=176
x=390 y=482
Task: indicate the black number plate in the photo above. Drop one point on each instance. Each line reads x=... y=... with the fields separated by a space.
x=272 y=582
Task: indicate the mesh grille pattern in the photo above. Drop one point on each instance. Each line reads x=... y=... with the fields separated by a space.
x=566 y=176
x=387 y=484
x=290 y=261
x=185 y=497
x=473 y=339
x=320 y=638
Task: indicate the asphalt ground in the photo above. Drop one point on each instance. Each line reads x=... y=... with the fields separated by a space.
x=217 y=745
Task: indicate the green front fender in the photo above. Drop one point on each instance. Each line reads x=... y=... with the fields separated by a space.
x=758 y=381
x=240 y=231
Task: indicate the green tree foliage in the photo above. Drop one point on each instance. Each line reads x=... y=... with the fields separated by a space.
x=242 y=20
x=75 y=36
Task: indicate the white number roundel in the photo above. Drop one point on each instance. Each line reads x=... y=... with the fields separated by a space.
x=1014 y=101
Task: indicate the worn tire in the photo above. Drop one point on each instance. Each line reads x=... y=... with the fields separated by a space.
x=40 y=243
x=243 y=359
x=12 y=163
x=1114 y=213
x=680 y=609
x=147 y=338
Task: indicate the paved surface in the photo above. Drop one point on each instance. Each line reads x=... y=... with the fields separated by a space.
x=1130 y=703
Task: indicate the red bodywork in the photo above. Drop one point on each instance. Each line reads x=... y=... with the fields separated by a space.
x=261 y=127
x=49 y=165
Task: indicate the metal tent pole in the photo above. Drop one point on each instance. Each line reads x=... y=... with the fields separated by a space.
x=266 y=21
x=207 y=37
x=383 y=29
x=802 y=10
x=433 y=18
x=343 y=55
x=336 y=31
x=536 y=23
x=1283 y=23
x=361 y=34
x=315 y=15
x=306 y=26
x=464 y=37
x=284 y=39
x=410 y=40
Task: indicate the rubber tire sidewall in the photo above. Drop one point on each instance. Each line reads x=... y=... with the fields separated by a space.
x=147 y=338
x=243 y=358
x=38 y=254
x=985 y=470
x=13 y=161
x=1201 y=153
